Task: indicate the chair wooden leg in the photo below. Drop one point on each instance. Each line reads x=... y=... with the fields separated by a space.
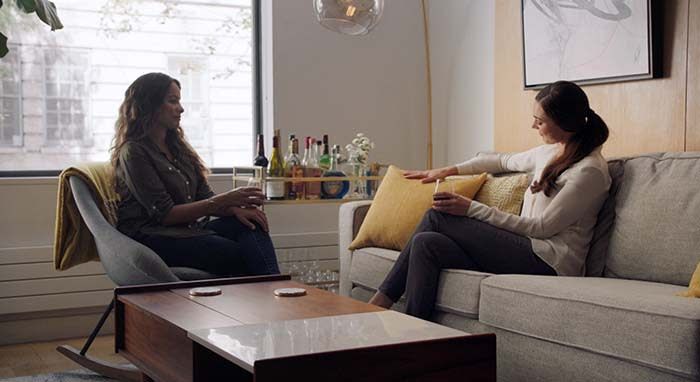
x=128 y=373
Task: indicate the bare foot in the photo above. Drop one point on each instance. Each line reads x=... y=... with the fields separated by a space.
x=380 y=299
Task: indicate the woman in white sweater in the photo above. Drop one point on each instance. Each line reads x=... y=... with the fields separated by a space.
x=554 y=230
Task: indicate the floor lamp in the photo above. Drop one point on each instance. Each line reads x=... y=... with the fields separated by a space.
x=359 y=17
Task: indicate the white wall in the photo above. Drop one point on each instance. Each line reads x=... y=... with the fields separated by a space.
x=462 y=59
x=325 y=82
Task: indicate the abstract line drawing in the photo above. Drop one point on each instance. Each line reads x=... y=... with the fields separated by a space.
x=587 y=41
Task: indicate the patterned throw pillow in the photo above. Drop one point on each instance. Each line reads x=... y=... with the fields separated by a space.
x=504 y=192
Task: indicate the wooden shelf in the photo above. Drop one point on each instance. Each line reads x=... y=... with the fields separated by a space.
x=247 y=176
x=312 y=201
x=315 y=179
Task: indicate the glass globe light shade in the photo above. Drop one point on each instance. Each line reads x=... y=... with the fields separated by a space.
x=350 y=17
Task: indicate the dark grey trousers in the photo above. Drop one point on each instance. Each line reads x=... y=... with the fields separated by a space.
x=447 y=241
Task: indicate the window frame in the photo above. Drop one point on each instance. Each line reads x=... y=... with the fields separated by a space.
x=20 y=95
x=257 y=101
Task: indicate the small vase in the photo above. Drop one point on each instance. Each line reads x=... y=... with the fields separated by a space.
x=359 y=186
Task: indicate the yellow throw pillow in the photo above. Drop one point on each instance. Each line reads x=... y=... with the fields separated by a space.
x=504 y=192
x=399 y=206
x=694 y=286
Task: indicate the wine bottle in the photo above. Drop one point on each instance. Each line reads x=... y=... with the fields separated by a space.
x=260 y=159
x=334 y=189
x=294 y=169
x=325 y=159
x=275 y=188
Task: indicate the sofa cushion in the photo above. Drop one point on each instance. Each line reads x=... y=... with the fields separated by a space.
x=656 y=235
x=504 y=192
x=637 y=321
x=399 y=206
x=598 y=250
x=458 y=290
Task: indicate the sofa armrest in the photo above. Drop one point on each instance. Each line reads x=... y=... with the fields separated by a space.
x=350 y=217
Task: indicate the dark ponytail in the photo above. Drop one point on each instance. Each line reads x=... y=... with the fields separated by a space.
x=567 y=105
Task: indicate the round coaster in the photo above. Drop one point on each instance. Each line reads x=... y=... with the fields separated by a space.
x=290 y=292
x=205 y=291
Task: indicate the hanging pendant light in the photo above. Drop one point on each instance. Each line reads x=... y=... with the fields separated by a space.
x=350 y=17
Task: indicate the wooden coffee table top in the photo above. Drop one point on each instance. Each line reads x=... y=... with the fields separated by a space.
x=240 y=304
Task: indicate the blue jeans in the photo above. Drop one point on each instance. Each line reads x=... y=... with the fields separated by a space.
x=235 y=250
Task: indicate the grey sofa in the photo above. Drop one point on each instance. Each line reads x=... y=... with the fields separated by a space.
x=622 y=322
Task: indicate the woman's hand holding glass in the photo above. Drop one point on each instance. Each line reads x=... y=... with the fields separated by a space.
x=245 y=197
x=429 y=176
x=451 y=203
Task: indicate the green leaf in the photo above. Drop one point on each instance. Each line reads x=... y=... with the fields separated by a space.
x=3 y=45
x=28 y=6
x=46 y=10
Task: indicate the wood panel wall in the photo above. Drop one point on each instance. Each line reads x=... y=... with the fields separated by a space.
x=644 y=116
x=693 y=119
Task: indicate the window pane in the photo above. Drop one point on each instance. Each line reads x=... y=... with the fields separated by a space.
x=78 y=79
x=52 y=120
x=52 y=90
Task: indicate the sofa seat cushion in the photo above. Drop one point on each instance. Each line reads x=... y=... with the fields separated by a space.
x=637 y=321
x=458 y=290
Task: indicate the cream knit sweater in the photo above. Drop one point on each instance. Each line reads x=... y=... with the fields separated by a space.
x=560 y=226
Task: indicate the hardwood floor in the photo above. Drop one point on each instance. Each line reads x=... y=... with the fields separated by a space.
x=42 y=357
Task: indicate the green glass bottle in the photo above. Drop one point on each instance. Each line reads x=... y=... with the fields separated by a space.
x=325 y=160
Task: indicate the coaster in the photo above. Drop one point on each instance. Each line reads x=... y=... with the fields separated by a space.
x=290 y=292
x=205 y=291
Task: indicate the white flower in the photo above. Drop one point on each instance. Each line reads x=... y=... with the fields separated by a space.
x=359 y=147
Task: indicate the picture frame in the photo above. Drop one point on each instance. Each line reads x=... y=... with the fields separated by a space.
x=590 y=42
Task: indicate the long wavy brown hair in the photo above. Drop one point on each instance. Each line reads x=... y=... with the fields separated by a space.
x=137 y=116
x=567 y=105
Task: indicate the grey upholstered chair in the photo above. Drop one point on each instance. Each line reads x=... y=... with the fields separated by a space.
x=127 y=262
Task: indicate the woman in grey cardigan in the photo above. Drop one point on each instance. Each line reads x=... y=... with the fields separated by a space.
x=554 y=230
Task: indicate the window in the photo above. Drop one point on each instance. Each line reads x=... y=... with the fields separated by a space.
x=61 y=91
x=66 y=97
x=10 y=100
x=193 y=74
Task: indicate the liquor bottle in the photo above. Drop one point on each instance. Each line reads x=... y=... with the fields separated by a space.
x=289 y=148
x=275 y=188
x=260 y=159
x=334 y=189
x=294 y=169
x=307 y=152
x=288 y=154
x=325 y=160
x=312 y=170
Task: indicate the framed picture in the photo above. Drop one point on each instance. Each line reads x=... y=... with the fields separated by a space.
x=587 y=41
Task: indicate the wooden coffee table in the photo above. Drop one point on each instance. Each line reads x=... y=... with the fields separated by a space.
x=247 y=333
